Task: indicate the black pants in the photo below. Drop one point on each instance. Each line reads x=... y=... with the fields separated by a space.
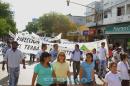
x=125 y=82
x=89 y=84
x=76 y=68
x=63 y=83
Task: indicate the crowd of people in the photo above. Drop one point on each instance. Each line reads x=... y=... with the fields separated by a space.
x=52 y=68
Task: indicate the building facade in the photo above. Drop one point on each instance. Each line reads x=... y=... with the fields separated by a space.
x=114 y=24
x=116 y=21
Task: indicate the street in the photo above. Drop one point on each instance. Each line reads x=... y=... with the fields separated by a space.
x=26 y=75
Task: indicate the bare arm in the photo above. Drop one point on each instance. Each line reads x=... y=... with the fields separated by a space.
x=54 y=76
x=93 y=74
x=34 y=79
x=80 y=73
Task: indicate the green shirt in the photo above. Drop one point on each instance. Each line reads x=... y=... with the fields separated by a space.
x=44 y=75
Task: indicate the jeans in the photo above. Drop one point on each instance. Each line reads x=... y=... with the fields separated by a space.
x=13 y=76
x=102 y=68
x=76 y=68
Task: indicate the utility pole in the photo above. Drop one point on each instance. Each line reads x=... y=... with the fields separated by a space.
x=95 y=11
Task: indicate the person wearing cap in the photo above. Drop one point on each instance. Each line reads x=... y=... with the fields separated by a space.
x=13 y=58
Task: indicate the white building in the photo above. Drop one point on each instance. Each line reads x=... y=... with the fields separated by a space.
x=116 y=11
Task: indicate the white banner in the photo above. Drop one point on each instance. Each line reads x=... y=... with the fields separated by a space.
x=2 y=46
x=28 y=43
x=31 y=43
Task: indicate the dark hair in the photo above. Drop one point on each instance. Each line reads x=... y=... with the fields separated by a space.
x=43 y=56
x=15 y=42
x=103 y=43
x=61 y=53
x=111 y=64
x=77 y=45
x=123 y=56
x=90 y=55
x=55 y=45
x=44 y=45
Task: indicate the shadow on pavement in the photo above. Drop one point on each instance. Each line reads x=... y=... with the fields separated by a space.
x=4 y=81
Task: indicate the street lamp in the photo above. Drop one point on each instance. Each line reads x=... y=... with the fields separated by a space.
x=95 y=11
x=68 y=2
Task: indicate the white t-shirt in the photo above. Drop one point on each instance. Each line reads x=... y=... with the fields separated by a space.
x=116 y=56
x=102 y=53
x=121 y=67
x=113 y=79
x=14 y=58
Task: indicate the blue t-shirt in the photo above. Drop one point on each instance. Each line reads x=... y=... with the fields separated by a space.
x=87 y=72
x=54 y=54
x=44 y=75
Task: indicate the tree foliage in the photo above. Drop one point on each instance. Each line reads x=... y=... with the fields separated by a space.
x=6 y=19
x=51 y=23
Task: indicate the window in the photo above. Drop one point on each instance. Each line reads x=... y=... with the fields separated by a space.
x=128 y=9
x=120 y=11
x=105 y=14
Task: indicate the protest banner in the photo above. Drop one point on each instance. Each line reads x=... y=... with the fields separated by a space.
x=2 y=46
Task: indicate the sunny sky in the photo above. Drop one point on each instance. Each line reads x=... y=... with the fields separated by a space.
x=26 y=10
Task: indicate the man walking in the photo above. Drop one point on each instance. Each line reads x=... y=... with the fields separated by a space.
x=54 y=52
x=13 y=58
x=76 y=57
x=103 y=60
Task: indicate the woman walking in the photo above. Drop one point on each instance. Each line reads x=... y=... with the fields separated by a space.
x=61 y=68
x=87 y=71
x=43 y=71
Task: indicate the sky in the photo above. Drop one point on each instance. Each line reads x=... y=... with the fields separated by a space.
x=26 y=10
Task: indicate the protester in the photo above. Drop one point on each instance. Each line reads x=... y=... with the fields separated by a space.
x=32 y=57
x=116 y=55
x=113 y=78
x=76 y=57
x=43 y=49
x=13 y=58
x=61 y=68
x=54 y=52
x=103 y=60
x=124 y=69
x=87 y=71
x=4 y=51
x=96 y=60
x=43 y=71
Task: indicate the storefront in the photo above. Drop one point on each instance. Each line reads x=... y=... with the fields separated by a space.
x=119 y=33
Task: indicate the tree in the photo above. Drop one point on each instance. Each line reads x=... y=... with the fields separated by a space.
x=6 y=19
x=52 y=23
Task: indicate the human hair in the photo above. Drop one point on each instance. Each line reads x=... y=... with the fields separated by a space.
x=61 y=54
x=90 y=54
x=43 y=56
x=103 y=43
x=77 y=45
x=123 y=56
x=14 y=42
x=111 y=64
x=55 y=45
x=43 y=45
